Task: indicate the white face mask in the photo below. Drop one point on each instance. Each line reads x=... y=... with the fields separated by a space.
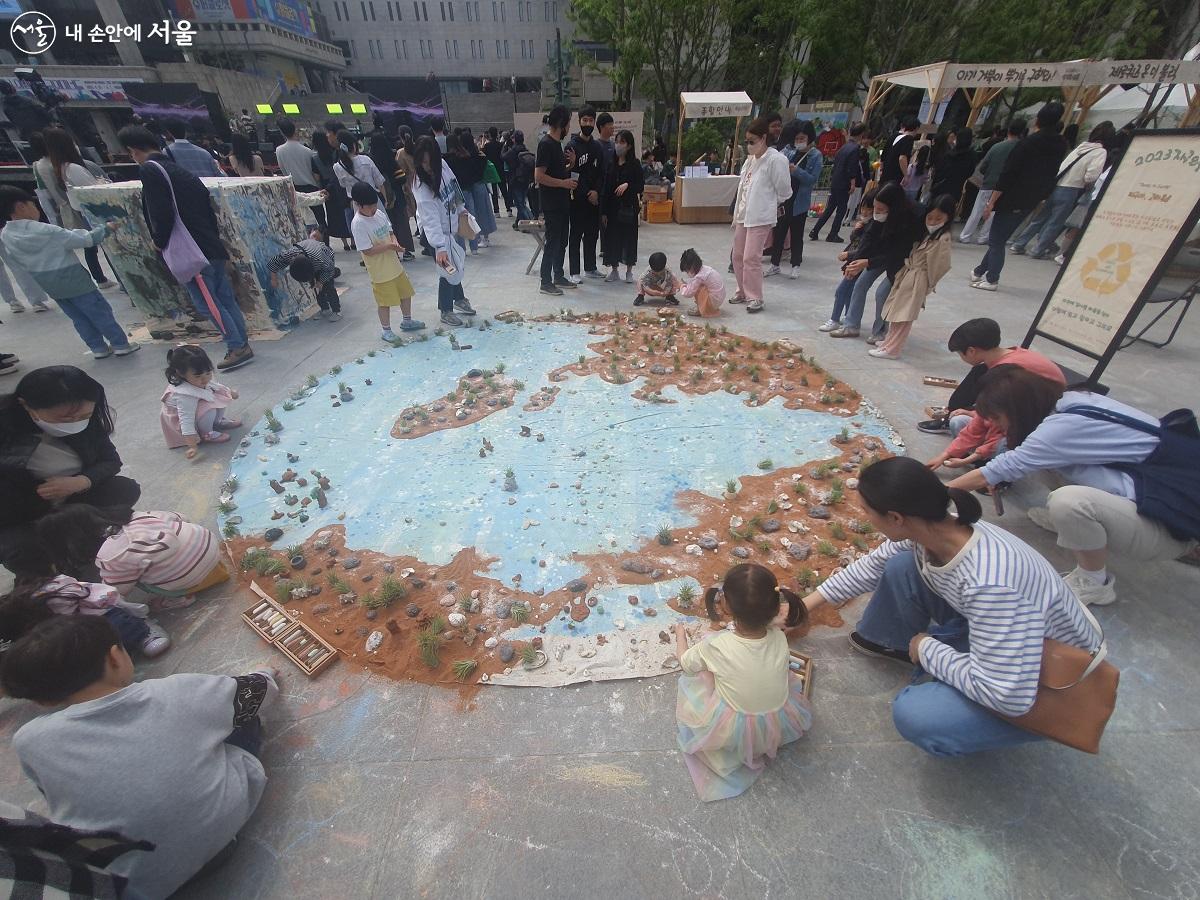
x=932 y=228
x=801 y=146
x=879 y=217
x=62 y=429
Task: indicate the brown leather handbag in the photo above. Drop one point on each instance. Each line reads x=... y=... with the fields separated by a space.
x=1077 y=692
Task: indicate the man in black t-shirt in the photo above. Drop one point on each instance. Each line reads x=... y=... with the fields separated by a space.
x=585 y=204
x=550 y=172
x=895 y=158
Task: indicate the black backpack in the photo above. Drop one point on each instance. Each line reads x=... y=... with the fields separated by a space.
x=525 y=165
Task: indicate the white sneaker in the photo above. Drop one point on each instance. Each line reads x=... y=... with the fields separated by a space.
x=574 y=279
x=613 y=277
x=156 y=642
x=593 y=273
x=629 y=278
x=1061 y=258
x=17 y=308
x=131 y=347
x=483 y=242
x=795 y=273
x=830 y=325
x=1088 y=591
x=880 y=353
x=975 y=277
x=1040 y=516
x=985 y=285
x=770 y=270
x=388 y=335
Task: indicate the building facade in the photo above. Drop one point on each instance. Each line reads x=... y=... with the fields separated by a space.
x=451 y=41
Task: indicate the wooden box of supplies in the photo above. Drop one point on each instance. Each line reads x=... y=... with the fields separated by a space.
x=307 y=649
x=267 y=618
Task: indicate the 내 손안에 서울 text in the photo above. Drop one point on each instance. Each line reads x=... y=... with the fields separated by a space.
x=180 y=33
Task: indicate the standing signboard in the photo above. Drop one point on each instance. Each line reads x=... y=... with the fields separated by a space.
x=1146 y=209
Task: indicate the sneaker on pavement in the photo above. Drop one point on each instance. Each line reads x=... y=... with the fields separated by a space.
x=1088 y=591
x=812 y=235
x=16 y=308
x=593 y=273
x=1040 y=516
x=215 y=437
x=552 y=289
x=870 y=648
x=566 y=284
x=976 y=276
x=101 y=354
x=754 y=306
x=156 y=642
x=613 y=277
x=770 y=270
x=7 y=359
x=40 y=307
x=235 y=359
x=874 y=339
x=449 y=318
x=1060 y=259
x=411 y=325
x=934 y=426
x=844 y=332
x=106 y=283
x=737 y=298
x=337 y=316
x=629 y=278
x=131 y=347
x=880 y=353
x=795 y=273
x=830 y=325
x=8 y=368
x=463 y=305
x=388 y=335
x=834 y=239
x=575 y=279
x=1018 y=249
x=985 y=285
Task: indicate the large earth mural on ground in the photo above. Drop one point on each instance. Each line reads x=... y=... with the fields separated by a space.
x=537 y=502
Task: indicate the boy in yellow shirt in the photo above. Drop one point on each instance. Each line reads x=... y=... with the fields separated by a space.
x=374 y=239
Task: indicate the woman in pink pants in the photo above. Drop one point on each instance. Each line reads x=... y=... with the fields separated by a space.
x=766 y=183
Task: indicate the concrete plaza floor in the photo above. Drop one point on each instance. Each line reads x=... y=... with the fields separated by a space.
x=381 y=789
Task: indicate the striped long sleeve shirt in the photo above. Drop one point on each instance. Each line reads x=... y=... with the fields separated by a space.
x=1012 y=599
x=158 y=549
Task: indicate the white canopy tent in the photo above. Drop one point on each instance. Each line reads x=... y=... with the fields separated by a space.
x=710 y=105
x=1121 y=106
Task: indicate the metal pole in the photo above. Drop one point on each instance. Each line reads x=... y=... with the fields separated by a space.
x=558 y=88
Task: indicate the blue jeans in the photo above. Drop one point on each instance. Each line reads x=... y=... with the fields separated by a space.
x=1003 y=225
x=233 y=325
x=935 y=716
x=858 y=299
x=131 y=630
x=93 y=320
x=520 y=195
x=1050 y=221
x=480 y=204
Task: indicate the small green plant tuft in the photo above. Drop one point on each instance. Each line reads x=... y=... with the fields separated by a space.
x=437 y=624
x=529 y=655
x=229 y=485
x=731 y=486
x=500 y=367
x=772 y=507
x=519 y=613
x=391 y=589
x=837 y=531
x=836 y=494
x=273 y=423
x=763 y=546
x=686 y=596
x=826 y=548
x=664 y=536
x=806 y=578
x=858 y=543
x=292 y=550
x=766 y=464
x=800 y=489
x=428 y=645
x=229 y=530
x=339 y=584
x=225 y=507
x=336 y=370
x=311 y=381
x=463 y=669
x=251 y=558
x=283 y=591
x=288 y=405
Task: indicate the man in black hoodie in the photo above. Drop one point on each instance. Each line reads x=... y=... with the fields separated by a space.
x=178 y=189
x=1029 y=175
x=585 y=202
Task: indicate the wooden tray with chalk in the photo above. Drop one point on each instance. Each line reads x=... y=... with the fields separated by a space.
x=296 y=641
x=803 y=666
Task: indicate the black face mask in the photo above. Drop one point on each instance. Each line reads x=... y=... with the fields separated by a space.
x=586 y=130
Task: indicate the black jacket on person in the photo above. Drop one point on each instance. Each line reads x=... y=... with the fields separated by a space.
x=494 y=151
x=19 y=438
x=888 y=244
x=468 y=170
x=194 y=202
x=1030 y=172
x=847 y=167
x=26 y=115
x=589 y=161
x=953 y=171
x=628 y=173
x=889 y=168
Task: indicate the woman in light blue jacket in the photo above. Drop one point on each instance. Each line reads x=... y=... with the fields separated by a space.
x=798 y=143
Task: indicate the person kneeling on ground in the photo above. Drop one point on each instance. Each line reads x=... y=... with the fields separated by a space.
x=658 y=283
x=976 y=440
x=169 y=760
x=993 y=600
x=704 y=284
x=310 y=262
x=1136 y=486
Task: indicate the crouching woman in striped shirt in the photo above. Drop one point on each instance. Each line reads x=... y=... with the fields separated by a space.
x=967 y=602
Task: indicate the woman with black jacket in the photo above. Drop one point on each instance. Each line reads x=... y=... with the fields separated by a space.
x=55 y=448
x=619 y=208
x=384 y=157
x=469 y=165
x=336 y=202
x=891 y=234
x=956 y=166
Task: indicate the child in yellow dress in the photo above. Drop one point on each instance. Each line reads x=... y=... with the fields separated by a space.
x=739 y=701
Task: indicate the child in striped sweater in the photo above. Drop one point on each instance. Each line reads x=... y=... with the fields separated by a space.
x=161 y=553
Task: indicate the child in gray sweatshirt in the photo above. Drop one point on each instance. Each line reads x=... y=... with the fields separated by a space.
x=172 y=761
x=47 y=253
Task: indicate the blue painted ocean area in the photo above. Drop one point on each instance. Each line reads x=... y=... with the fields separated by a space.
x=431 y=496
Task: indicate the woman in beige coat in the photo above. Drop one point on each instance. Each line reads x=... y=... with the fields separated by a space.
x=924 y=268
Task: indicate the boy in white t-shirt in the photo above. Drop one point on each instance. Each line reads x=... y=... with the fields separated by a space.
x=374 y=239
